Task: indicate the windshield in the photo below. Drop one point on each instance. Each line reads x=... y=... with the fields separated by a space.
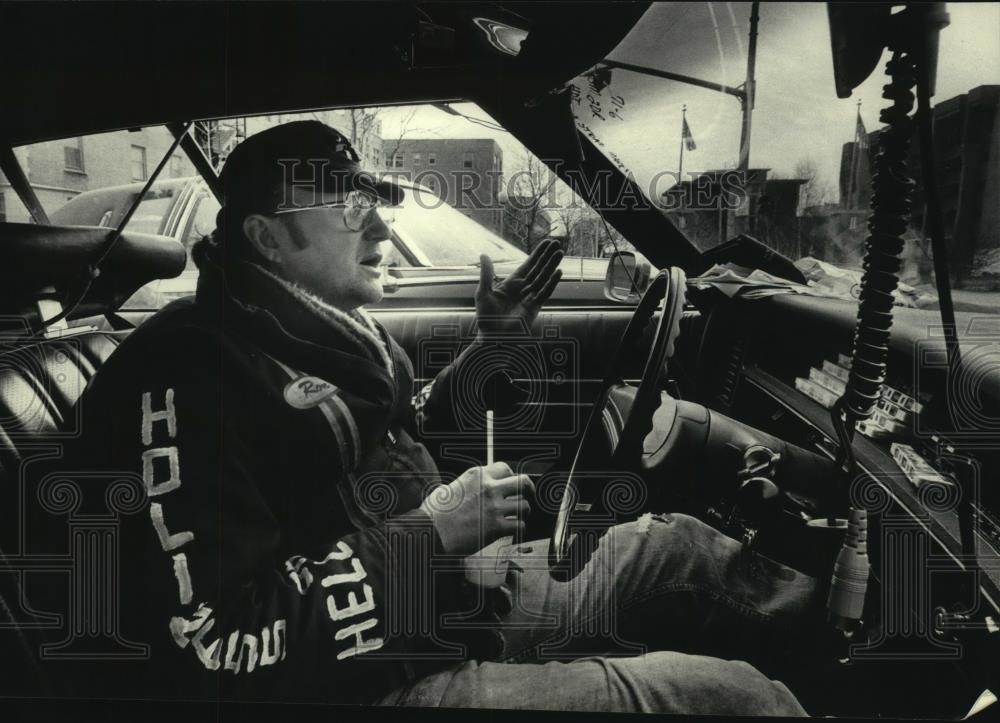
x=810 y=155
x=444 y=236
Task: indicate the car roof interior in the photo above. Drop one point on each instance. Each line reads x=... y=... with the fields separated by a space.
x=413 y=52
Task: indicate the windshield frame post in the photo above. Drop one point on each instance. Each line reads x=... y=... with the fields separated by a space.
x=197 y=157
x=22 y=186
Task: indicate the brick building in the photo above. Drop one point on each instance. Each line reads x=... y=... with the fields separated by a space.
x=855 y=178
x=466 y=173
x=716 y=206
x=59 y=170
x=967 y=160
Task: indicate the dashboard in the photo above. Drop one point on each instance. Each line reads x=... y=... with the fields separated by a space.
x=778 y=363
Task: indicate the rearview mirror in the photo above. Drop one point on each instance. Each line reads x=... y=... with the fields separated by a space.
x=627 y=277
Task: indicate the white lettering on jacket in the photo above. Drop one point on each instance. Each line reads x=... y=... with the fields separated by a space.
x=183 y=578
x=167 y=541
x=353 y=606
x=299 y=572
x=361 y=645
x=233 y=646
x=207 y=654
x=340 y=578
x=149 y=457
x=200 y=624
x=167 y=415
x=270 y=654
x=179 y=627
x=156 y=487
x=246 y=651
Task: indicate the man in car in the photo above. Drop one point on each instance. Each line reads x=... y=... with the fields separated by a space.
x=296 y=541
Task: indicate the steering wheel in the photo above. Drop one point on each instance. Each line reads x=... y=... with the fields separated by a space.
x=668 y=287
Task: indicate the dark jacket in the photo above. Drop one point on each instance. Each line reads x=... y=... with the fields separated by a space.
x=278 y=552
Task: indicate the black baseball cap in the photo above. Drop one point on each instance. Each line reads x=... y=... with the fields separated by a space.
x=258 y=175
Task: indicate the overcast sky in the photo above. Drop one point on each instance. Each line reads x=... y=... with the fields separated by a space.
x=797 y=115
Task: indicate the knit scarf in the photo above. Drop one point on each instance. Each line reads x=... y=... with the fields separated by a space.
x=356 y=325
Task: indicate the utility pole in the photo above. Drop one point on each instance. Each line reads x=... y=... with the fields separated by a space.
x=747 y=101
x=749 y=88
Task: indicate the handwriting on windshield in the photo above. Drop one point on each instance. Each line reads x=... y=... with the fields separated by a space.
x=601 y=108
x=595 y=103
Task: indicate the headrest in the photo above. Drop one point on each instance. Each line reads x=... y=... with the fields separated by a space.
x=35 y=259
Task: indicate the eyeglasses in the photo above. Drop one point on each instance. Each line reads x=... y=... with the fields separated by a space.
x=359 y=210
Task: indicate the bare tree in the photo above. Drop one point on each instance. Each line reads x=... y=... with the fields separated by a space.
x=570 y=219
x=363 y=127
x=540 y=205
x=391 y=148
x=365 y=131
x=814 y=192
x=526 y=221
x=606 y=237
x=585 y=231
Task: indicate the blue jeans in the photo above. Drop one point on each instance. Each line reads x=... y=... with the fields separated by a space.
x=607 y=639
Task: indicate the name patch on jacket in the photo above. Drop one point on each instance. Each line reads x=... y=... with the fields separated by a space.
x=307 y=392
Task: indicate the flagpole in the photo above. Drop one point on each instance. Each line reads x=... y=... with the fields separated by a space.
x=849 y=201
x=857 y=166
x=852 y=196
x=680 y=162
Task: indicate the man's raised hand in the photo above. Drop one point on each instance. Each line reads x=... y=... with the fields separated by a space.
x=507 y=305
